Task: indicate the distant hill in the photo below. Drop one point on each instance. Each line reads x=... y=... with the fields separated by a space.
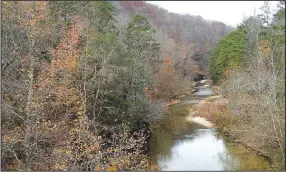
x=181 y=36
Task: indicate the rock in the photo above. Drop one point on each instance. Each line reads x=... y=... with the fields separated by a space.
x=203 y=81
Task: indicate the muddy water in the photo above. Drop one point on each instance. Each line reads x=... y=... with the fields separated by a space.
x=179 y=145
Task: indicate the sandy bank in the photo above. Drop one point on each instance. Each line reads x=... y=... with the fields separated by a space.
x=200 y=120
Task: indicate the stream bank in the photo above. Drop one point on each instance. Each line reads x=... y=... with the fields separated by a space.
x=178 y=144
x=213 y=112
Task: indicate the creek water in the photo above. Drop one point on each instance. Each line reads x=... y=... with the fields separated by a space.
x=180 y=145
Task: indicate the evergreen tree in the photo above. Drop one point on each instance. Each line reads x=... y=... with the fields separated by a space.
x=140 y=42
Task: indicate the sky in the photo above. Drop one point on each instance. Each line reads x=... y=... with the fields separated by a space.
x=228 y=12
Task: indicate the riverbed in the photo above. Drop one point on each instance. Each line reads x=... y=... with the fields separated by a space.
x=177 y=144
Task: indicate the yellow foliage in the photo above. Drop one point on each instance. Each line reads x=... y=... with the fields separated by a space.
x=155 y=168
x=62 y=167
x=112 y=168
x=68 y=152
x=264 y=47
x=123 y=163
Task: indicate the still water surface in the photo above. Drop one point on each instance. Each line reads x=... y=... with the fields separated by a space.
x=179 y=145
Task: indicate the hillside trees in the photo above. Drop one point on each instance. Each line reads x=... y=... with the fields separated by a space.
x=167 y=79
x=256 y=90
x=27 y=44
x=212 y=65
x=230 y=54
x=79 y=89
x=66 y=86
x=101 y=48
x=181 y=35
x=143 y=62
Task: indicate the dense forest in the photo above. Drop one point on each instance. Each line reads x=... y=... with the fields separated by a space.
x=84 y=81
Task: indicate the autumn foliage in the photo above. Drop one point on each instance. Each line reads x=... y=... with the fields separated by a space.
x=167 y=79
x=48 y=122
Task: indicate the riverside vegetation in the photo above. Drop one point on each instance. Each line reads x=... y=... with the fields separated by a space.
x=83 y=82
x=248 y=66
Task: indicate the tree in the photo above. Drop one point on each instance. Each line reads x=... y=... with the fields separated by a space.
x=257 y=89
x=266 y=14
x=139 y=41
x=32 y=24
x=64 y=70
x=229 y=54
x=212 y=65
x=167 y=79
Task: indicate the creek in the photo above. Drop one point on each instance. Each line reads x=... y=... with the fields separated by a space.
x=177 y=144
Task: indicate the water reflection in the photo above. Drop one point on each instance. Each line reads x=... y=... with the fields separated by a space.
x=245 y=159
x=203 y=91
x=178 y=145
x=203 y=150
x=196 y=153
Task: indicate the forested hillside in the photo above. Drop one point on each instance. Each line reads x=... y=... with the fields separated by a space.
x=74 y=95
x=82 y=81
x=185 y=38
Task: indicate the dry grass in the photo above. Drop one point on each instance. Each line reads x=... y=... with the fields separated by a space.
x=207 y=110
x=257 y=100
x=214 y=109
